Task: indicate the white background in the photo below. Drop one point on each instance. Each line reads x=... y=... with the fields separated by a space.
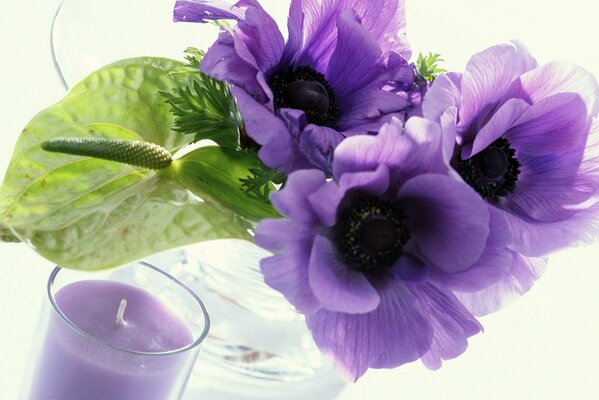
x=543 y=347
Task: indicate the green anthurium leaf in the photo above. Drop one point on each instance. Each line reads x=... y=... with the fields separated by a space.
x=88 y=213
x=153 y=215
x=217 y=174
x=6 y=235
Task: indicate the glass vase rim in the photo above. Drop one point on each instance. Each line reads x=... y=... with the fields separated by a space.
x=197 y=342
x=53 y=46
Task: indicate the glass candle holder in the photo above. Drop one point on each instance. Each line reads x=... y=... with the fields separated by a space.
x=89 y=34
x=129 y=334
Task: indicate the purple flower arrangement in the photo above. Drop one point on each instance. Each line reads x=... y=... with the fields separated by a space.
x=412 y=205
x=399 y=201
x=339 y=74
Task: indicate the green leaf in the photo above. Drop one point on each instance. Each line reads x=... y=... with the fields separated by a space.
x=428 y=66
x=194 y=59
x=154 y=215
x=6 y=235
x=88 y=213
x=260 y=183
x=223 y=24
x=205 y=108
x=216 y=175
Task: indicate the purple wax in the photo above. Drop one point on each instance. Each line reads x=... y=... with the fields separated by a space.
x=75 y=367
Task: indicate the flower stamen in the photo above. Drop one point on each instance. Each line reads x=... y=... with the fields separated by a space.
x=305 y=89
x=493 y=172
x=370 y=235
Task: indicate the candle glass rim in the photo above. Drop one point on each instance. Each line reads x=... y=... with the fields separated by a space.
x=192 y=345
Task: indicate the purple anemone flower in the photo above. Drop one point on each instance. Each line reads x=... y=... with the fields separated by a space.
x=371 y=257
x=341 y=72
x=519 y=135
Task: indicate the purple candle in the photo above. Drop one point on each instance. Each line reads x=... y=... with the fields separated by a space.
x=119 y=343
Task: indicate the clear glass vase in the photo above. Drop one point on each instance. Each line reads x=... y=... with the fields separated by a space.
x=259 y=346
x=89 y=34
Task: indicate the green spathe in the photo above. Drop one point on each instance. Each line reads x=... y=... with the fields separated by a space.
x=87 y=213
x=216 y=175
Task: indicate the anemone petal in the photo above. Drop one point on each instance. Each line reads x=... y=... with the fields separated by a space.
x=452 y=324
x=336 y=286
x=488 y=76
x=444 y=216
x=397 y=332
x=521 y=277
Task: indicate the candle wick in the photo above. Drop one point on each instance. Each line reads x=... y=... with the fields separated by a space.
x=121 y=312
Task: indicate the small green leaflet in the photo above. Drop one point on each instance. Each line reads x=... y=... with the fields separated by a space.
x=204 y=108
x=428 y=66
x=260 y=184
x=194 y=60
x=223 y=24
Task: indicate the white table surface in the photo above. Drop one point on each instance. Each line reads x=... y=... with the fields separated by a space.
x=546 y=346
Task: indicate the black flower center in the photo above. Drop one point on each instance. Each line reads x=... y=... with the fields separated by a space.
x=305 y=89
x=493 y=172
x=370 y=234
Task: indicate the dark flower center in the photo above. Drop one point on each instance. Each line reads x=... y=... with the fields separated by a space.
x=493 y=172
x=305 y=89
x=310 y=96
x=370 y=234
